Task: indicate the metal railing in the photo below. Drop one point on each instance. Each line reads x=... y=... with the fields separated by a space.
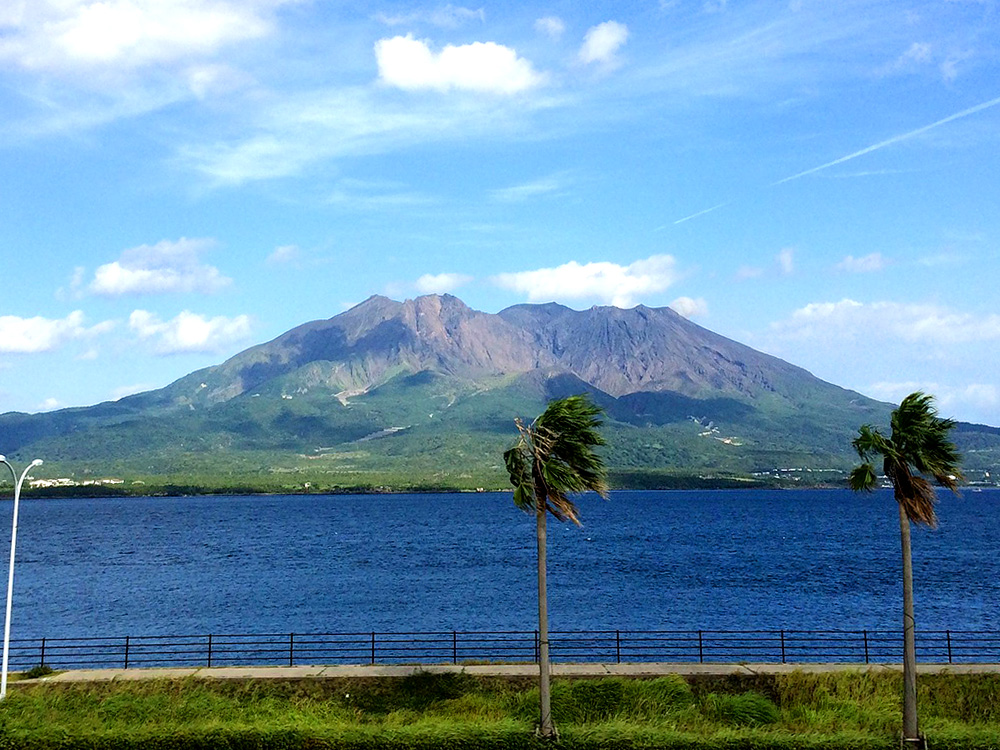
x=458 y=647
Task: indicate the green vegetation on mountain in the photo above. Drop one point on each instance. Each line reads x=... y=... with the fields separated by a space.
x=422 y=395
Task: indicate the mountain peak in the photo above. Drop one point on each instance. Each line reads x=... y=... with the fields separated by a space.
x=619 y=351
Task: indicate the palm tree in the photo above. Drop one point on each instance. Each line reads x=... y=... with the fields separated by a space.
x=554 y=456
x=917 y=448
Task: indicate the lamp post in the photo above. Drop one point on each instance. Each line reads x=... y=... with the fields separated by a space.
x=10 y=577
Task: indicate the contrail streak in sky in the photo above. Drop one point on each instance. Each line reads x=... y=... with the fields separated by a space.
x=890 y=141
x=701 y=213
x=862 y=152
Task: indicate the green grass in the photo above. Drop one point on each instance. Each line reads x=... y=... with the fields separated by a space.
x=841 y=710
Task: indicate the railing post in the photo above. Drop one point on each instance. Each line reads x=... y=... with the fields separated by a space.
x=975 y=645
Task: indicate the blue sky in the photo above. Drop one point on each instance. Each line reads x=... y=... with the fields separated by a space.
x=181 y=179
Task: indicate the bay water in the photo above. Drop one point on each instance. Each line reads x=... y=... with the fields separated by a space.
x=686 y=560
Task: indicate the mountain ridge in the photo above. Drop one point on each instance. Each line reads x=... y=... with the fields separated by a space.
x=424 y=390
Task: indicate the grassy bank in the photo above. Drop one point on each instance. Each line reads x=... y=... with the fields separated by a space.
x=844 y=710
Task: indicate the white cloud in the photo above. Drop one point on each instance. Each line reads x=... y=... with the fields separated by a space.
x=913 y=323
x=688 y=307
x=551 y=26
x=608 y=282
x=866 y=264
x=189 y=332
x=485 y=67
x=601 y=42
x=889 y=349
x=449 y=17
x=38 y=334
x=786 y=260
x=49 y=404
x=63 y=35
x=441 y=282
x=167 y=266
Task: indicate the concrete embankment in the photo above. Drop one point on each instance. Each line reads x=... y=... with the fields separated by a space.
x=493 y=670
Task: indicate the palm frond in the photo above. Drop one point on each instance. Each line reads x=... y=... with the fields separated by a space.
x=862 y=478
x=518 y=465
x=921 y=437
x=555 y=456
x=918 y=448
x=870 y=443
x=915 y=494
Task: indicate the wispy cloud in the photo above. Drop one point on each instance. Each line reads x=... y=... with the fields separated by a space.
x=610 y=283
x=368 y=195
x=916 y=56
x=850 y=319
x=356 y=121
x=166 y=267
x=866 y=264
x=448 y=17
x=551 y=26
x=786 y=260
x=284 y=254
x=532 y=189
x=978 y=397
x=749 y=272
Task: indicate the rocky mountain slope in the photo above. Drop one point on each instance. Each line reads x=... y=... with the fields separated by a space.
x=423 y=392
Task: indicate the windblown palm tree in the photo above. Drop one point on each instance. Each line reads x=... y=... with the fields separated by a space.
x=554 y=456
x=918 y=448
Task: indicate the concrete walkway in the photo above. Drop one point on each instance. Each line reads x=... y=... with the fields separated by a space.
x=497 y=670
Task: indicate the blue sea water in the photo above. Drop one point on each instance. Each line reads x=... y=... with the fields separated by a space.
x=726 y=560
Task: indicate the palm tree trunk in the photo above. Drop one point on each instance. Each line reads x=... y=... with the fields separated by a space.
x=545 y=726
x=911 y=733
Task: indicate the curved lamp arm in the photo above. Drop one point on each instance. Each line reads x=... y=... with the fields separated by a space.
x=18 y=483
x=13 y=475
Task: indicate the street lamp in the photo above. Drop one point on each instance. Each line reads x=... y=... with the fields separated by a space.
x=10 y=578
